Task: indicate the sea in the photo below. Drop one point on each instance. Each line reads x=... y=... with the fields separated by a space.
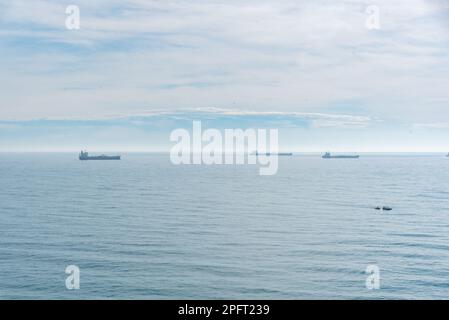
x=144 y=228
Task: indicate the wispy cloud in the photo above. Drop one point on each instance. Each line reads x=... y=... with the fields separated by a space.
x=290 y=56
x=311 y=65
x=217 y=115
x=314 y=119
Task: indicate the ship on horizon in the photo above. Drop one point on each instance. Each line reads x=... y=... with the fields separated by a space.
x=285 y=154
x=328 y=155
x=85 y=156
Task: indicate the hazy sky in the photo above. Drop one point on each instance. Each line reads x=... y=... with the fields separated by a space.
x=137 y=69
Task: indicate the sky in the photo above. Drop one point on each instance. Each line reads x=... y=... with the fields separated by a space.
x=135 y=70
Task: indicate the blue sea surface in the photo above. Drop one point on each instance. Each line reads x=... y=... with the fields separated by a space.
x=143 y=228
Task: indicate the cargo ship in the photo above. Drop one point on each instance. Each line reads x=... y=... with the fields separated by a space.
x=328 y=155
x=284 y=154
x=85 y=156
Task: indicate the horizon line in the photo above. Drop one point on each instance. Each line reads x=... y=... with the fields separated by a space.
x=280 y=151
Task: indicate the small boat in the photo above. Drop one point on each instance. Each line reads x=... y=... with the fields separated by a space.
x=85 y=156
x=384 y=208
x=328 y=155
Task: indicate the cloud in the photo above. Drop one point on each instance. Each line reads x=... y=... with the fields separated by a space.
x=227 y=118
x=216 y=116
x=294 y=57
x=314 y=119
x=316 y=132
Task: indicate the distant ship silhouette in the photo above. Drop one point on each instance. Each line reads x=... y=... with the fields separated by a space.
x=287 y=154
x=85 y=156
x=328 y=155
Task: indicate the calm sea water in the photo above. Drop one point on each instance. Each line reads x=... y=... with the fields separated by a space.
x=144 y=228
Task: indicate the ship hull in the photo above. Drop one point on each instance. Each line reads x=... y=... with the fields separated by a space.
x=341 y=157
x=100 y=158
x=281 y=154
